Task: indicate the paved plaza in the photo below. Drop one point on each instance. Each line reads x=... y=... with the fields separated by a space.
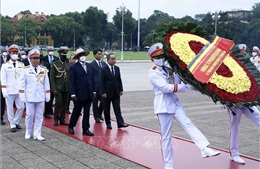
x=62 y=151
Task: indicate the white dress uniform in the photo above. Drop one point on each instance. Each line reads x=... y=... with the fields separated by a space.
x=168 y=107
x=10 y=76
x=34 y=90
x=235 y=114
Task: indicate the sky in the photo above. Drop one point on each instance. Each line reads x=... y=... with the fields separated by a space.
x=176 y=8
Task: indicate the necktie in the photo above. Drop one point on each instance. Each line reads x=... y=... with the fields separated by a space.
x=164 y=69
x=35 y=70
x=84 y=66
x=99 y=64
x=51 y=59
x=14 y=64
x=112 y=71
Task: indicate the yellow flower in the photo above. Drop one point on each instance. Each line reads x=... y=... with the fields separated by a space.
x=238 y=83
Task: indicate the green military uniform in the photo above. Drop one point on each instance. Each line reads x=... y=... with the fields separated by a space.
x=60 y=85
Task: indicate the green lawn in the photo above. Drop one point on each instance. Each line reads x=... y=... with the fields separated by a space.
x=128 y=55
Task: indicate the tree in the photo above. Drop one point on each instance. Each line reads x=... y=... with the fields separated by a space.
x=129 y=24
x=256 y=10
x=151 y=24
x=61 y=29
x=26 y=12
x=7 y=31
x=187 y=19
x=78 y=17
x=95 y=26
x=32 y=29
x=233 y=30
x=149 y=39
x=200 y=17
x=252 y=33
x=110 y=35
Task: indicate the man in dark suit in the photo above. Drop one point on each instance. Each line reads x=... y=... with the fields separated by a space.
x=81 y=91
x=111 y=88
x=97 y=63
x=48 y=60
x=23 y=58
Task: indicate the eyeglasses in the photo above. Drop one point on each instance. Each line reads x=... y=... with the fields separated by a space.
x=35 y=58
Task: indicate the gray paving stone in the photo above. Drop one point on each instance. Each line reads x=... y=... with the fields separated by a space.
x=24 y=156
x=34 y=163
x=72 y=164
x=57 y=158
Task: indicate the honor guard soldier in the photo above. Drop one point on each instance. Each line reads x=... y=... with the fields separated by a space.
x=60 y=86
x=10 y=75
x=168 y=107
x=34 y=91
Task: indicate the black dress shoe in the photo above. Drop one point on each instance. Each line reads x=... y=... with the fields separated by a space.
x=88 y=133
x=101 y=118
x=63 y=122
x=18 y=126
x=123 y=125
x=47 y=116
x=109 y=126
x=98 y=121
x=13 y=130
x=2 y=122
x=71 y=130
x=55 y=123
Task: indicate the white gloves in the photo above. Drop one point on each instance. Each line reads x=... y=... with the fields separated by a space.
x=179 y=87
x=188 y=86
x=5 y=95
x=48 y=97
x=22 y=97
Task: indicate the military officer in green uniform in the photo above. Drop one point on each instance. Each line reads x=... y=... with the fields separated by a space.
x=60 y=86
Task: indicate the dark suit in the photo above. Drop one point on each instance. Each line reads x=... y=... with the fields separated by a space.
x=48 y=105
x=111 y=85
x=82 y=86
x=97 y=109
x=25 y=62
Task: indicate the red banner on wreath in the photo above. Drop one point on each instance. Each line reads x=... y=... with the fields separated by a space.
x=210 y=58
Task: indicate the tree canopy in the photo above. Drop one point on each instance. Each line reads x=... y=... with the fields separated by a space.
x=92 y=29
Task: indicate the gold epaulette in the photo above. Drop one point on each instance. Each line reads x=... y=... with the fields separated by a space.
x=43 y=66
x=56 y=61
x=21 y=63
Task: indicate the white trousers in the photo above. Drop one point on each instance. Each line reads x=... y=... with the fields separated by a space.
x=14 y=118
x=165 y=121
x=235 y=123
x=34 y=110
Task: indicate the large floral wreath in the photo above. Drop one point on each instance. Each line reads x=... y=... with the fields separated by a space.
x=236 y=82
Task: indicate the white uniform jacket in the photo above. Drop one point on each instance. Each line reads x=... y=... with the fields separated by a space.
x=10 y=76
x=34 y=87
x=165 y=100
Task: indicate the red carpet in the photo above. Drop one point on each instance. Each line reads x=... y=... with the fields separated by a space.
x=142 y=146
